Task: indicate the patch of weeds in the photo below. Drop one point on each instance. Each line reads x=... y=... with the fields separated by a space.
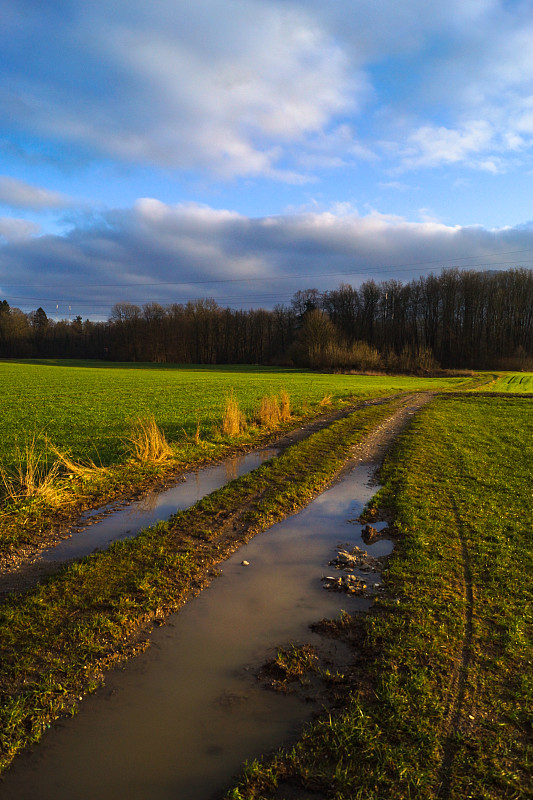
x=197 y=437
x=233 y=419
x=285 y=406
x=148 y=442
x=338 y=628
x=33 y=477
x=291 y=664
x=269 y=412
x=86 y=471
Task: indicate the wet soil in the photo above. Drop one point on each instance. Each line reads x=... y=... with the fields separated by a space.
x=180 y=719
x=230 y=534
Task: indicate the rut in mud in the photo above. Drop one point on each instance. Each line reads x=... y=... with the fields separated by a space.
x=71 y=767
x=456 y=715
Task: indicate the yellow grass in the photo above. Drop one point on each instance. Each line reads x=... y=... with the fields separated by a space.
x=233 y=420
x=148 y=442
x=85 y=471
x=269 y=413
x=285 y=406
x=32 y=477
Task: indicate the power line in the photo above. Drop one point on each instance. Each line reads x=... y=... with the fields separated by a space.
x=234 y=301
x=402 y=267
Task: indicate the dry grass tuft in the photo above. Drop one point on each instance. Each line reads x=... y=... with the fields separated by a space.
x=233 y=420
x=285 y=406
x=32 y=477
x=197 y=432
x=269 y=413
x=148 y=442
x=326 y=400
x=85 y=471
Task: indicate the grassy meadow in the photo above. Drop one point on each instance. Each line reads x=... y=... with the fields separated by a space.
x=513 y=382
x=445 y=705
x=87 y=411
x=88 y=407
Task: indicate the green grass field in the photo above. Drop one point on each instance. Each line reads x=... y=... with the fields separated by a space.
x=518 y=383
x=87 y=408
x=445 y=708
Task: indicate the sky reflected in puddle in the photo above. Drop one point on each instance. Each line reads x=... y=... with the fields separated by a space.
x=177 y=722
x=122 y=523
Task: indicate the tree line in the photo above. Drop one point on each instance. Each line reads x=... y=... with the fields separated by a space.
x=458 y=319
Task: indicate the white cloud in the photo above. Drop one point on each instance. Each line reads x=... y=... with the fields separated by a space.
x=273 y=88
x=19 y=194
x=173 y=253
x=16 y=230
x=452 y=82
x=188 y=85
x=433 y=145
x=398 y=186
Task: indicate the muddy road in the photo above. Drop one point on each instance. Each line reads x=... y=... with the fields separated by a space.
x=181 y=718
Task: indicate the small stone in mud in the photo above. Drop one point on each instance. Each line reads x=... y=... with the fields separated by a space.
x=245 y=563
x=370 y=534
x=350 y=584
x=343 y=557
x=356 y=559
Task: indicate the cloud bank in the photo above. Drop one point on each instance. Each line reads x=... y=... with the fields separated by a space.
x=423 y=111
x=174 y=253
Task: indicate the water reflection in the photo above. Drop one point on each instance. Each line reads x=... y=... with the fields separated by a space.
x=179 y=720
x=125 y=522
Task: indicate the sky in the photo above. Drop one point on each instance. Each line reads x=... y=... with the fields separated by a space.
x=242 y=150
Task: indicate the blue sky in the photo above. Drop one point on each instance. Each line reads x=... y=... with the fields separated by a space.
x=243 y=150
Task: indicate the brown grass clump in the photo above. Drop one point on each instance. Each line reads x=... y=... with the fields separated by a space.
x=85 y=471
x=197 y=431
x=32 y=477
x=326 y=400
x=148 y=442
x=269 y=413
x=233 y=420
x=285 y=406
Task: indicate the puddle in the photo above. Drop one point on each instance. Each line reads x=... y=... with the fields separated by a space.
x=122 y=523
x=179 y=720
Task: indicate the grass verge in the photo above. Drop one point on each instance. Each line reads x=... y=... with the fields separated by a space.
x=443 y=706
x=57 y=640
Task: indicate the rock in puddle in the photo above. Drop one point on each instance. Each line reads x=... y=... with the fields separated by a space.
x=348 y=561
x=371 y=533
x=350 y=584
x=356 y=559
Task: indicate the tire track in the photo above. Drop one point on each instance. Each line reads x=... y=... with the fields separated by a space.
x=456 y=714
